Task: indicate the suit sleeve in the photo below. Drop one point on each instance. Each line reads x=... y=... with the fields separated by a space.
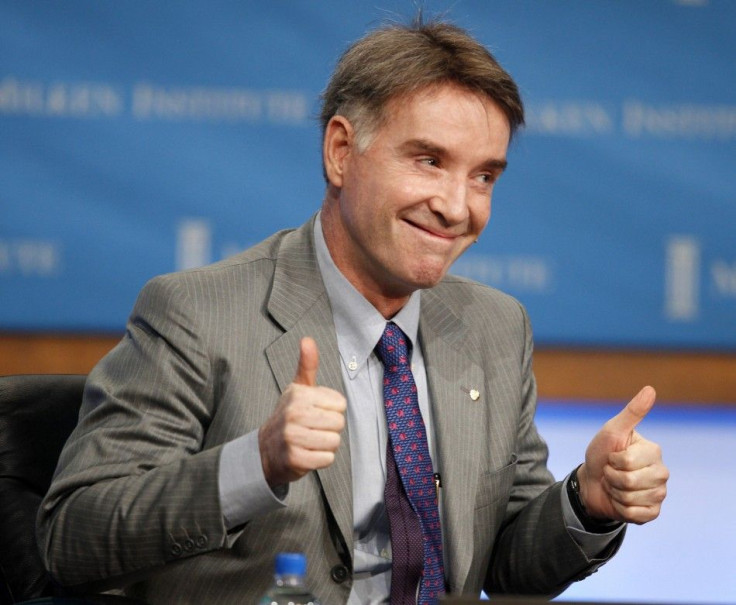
x=134 y=488
x=534 y=552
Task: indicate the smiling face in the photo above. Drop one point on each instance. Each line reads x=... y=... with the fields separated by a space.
x=398 y=213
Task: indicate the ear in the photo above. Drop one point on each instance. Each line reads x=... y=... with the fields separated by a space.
x=336 y=148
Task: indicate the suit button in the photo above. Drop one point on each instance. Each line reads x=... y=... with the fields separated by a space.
x=339 y=574
x=188 y=544
x=176 y=549
x=201 y=541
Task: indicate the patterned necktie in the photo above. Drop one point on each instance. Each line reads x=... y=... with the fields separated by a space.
x=408 y=448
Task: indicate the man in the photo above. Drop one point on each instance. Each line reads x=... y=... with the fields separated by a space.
x=243 y=413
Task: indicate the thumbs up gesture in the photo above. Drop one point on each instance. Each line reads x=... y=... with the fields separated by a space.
x=623 y=477
x=303 y=433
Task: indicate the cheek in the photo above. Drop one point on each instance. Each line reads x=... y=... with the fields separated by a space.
x=410 y=188
x=480 y=214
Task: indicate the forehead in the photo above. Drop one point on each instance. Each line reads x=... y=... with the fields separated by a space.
x=445 y=108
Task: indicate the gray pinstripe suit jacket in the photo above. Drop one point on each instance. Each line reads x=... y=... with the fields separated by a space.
x=205 y=357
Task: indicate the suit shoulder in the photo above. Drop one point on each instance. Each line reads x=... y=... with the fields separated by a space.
x=483 y=320
x=250 y=272
x=256 y=260
x=460 y=292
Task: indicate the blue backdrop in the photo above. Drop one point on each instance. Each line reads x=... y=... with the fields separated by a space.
x=139 y=138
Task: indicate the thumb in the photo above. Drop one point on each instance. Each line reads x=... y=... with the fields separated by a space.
x=627 y=419
x=306 y=371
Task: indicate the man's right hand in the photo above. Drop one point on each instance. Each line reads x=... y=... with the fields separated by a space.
x=303 y=433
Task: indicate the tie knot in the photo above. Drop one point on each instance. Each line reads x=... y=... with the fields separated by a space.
x=393 y=347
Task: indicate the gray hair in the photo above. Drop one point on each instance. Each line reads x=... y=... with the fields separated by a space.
x=398 y=60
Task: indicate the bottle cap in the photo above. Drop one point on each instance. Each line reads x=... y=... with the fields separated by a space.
x=291 y=564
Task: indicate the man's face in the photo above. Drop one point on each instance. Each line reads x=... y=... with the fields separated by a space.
x=407 y=206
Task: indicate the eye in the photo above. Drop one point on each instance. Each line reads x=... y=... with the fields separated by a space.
x=488 y=178
x=429 y=161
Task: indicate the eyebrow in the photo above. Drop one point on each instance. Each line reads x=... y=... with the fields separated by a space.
x=425 y=146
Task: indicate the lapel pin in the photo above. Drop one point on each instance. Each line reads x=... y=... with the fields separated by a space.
x=474 y=393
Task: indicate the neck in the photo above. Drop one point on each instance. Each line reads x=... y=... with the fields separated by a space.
x=388 y=307
x=388 y=301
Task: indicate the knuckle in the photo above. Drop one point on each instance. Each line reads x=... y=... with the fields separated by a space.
x=627 y=481
x=335 y=442
x=296 y=413
x=647 y=514
x=292 y=392
x=291 y=433
x=628 y=460
x=340 y=422
x=337 y=401
x=626 y=498
x=295 y=462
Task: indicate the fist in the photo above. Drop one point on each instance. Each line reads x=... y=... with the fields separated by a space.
x=303 y=433
x=624 y=477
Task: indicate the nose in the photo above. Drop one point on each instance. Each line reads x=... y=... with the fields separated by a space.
x=450 y=202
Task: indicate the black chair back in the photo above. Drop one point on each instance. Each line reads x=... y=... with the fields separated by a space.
x=37 y=414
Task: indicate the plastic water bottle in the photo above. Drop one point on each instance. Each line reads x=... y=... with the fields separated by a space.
x=288 y=582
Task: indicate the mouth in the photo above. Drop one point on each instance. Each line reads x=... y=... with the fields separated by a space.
x=433 y=232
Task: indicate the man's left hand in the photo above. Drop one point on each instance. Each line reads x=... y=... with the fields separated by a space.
x=623 y=477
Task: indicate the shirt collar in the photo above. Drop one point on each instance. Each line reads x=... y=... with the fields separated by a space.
x=358 y=323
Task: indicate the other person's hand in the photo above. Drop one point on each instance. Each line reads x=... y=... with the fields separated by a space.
x=303 y=433
x=623 y=477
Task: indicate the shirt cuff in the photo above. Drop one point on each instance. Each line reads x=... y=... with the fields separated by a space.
x=591 y=544
x=244 y=492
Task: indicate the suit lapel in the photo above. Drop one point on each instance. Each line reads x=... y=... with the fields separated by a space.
x=299 y=303
x=458 y=419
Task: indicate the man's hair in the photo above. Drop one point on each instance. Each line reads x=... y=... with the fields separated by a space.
x=398 y=60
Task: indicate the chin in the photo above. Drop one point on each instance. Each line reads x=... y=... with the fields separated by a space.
x=428 y=277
